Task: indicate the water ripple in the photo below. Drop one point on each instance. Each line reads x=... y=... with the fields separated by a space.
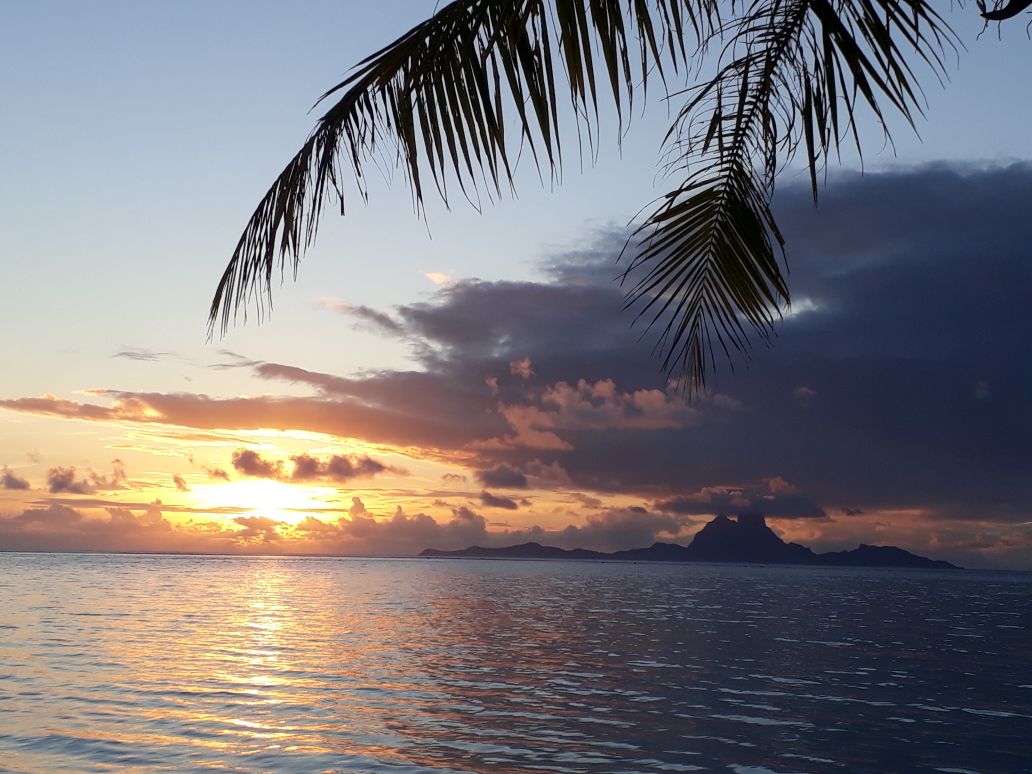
x=109 y=663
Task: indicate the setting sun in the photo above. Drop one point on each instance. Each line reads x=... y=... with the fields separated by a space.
x=274 y=499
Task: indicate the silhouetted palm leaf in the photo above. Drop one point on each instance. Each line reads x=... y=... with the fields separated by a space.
x=791 y=73
x=460 y=96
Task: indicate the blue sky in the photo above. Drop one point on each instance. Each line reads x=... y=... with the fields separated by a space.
x=136 y=140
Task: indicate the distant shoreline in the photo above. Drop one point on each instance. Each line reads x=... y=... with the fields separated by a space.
x=745 y=540
x=421 y=557
x=415 y=557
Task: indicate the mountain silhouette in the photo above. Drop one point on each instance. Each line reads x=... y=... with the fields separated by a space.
x=745 y=539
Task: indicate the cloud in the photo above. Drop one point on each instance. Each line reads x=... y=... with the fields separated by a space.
x=314 y=528
x=550 y=475
x=60 y=528
x=63 y=480
x=775 y=498
x=373 y=318
x=51 y=405
x=602 y=406
x=406 y=534
x=250 y=463
x=599 y=406
x=337 y=468
x=145 y=355
x=586 y=500
x=260 y=529
x=531 y=428
x=521 y=368
x=504 y=476
x=10 y=480
x=216 y=473
x=498 y=501
x=804 y=395
x=180 y=483
x=438 y=278
x=622 y=527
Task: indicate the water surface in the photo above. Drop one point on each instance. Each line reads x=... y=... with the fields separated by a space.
x=114 y=662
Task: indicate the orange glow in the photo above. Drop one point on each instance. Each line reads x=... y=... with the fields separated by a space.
x=273 y=499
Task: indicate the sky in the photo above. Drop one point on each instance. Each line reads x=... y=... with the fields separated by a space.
x=471 y=378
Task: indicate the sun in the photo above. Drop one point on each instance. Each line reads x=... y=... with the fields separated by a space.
x=273 y=499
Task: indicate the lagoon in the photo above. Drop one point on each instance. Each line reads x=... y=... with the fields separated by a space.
x=151 y=663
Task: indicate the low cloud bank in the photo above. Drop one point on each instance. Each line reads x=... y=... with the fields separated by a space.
x=896 y=384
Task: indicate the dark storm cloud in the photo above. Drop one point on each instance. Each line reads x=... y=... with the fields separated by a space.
x=498 y=501
x=916 y=391
x=503 y=476
x=9 y=480
x=716 y=501
x=897 y=380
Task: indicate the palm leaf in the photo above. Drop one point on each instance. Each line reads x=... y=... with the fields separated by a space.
x=791 y=74
x=440 y=98
x=1003 y=11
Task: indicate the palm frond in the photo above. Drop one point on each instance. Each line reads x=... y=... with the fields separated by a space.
x=1003 y=11
x=443 y=98
x=792 y=74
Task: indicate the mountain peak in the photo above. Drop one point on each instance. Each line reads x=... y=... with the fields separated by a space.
x=748 y=538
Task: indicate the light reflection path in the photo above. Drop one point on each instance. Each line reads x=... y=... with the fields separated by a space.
x=112 y=663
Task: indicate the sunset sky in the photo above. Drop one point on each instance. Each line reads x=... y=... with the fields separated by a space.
x=472 y=379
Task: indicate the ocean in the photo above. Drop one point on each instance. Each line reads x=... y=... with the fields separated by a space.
x=182 y=663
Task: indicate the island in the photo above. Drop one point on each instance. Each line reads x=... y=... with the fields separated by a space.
x=744 y=539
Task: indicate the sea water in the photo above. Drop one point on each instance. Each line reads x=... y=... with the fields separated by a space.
x=152 y=663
